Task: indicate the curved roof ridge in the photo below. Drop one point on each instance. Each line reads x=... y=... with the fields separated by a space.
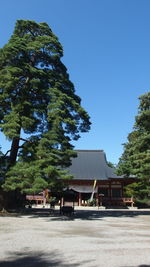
x=91 y=166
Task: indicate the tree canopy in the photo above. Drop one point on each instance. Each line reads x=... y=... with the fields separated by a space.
x=38 y=105
x=135 y=160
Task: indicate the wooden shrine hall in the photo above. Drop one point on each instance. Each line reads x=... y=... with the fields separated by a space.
x=92 y=175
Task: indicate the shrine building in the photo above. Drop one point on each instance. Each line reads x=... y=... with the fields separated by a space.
x=92 y=175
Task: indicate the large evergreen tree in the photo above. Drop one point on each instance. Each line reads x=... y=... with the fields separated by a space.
x=37 y=99
x=2 y=166
x=136 y=157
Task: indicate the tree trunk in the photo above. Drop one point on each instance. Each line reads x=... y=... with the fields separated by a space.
x=10 y=199
x=14 y=149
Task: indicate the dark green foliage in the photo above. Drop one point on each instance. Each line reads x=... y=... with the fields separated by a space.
x=38 y=99
x=110 y=164
x=2 y=166
x=135 y=160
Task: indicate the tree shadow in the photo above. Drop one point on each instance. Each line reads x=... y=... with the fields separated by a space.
x=85 y=214
x=36 y=259
x=99 y=214
x=143 y=265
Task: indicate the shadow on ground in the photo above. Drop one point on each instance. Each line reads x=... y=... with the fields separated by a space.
x=143 y=265
x=83 y=214
x=37 y=259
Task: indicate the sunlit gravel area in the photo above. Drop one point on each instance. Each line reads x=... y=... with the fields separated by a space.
x=90 y=238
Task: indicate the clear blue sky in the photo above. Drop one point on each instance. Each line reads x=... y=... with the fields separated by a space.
x=107 y=52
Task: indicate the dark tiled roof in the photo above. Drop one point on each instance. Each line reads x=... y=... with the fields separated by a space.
x=91 y=165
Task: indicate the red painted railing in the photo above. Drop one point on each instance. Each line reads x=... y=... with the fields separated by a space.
x=118 y=200
x=34 y=197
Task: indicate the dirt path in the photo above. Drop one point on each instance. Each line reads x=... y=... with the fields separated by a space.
x=89 y=238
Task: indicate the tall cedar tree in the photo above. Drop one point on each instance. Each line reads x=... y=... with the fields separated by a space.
x=37 y=99
x=136 y=157
x=2 y=166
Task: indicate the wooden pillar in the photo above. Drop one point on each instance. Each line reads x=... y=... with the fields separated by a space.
x=97 y=199
x=132 y=202
x=121 y=189
x=80 y=199
x=62 y=202
x=44 y=202
x=110 y=193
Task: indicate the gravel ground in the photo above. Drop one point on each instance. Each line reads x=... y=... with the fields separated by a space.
x=90 y=238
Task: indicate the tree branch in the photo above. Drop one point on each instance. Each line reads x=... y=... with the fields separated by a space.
x=19 y=146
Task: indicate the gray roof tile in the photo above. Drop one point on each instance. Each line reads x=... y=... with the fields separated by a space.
x=91 y=165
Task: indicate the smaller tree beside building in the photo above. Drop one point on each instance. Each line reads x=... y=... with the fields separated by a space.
x=135 y=160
